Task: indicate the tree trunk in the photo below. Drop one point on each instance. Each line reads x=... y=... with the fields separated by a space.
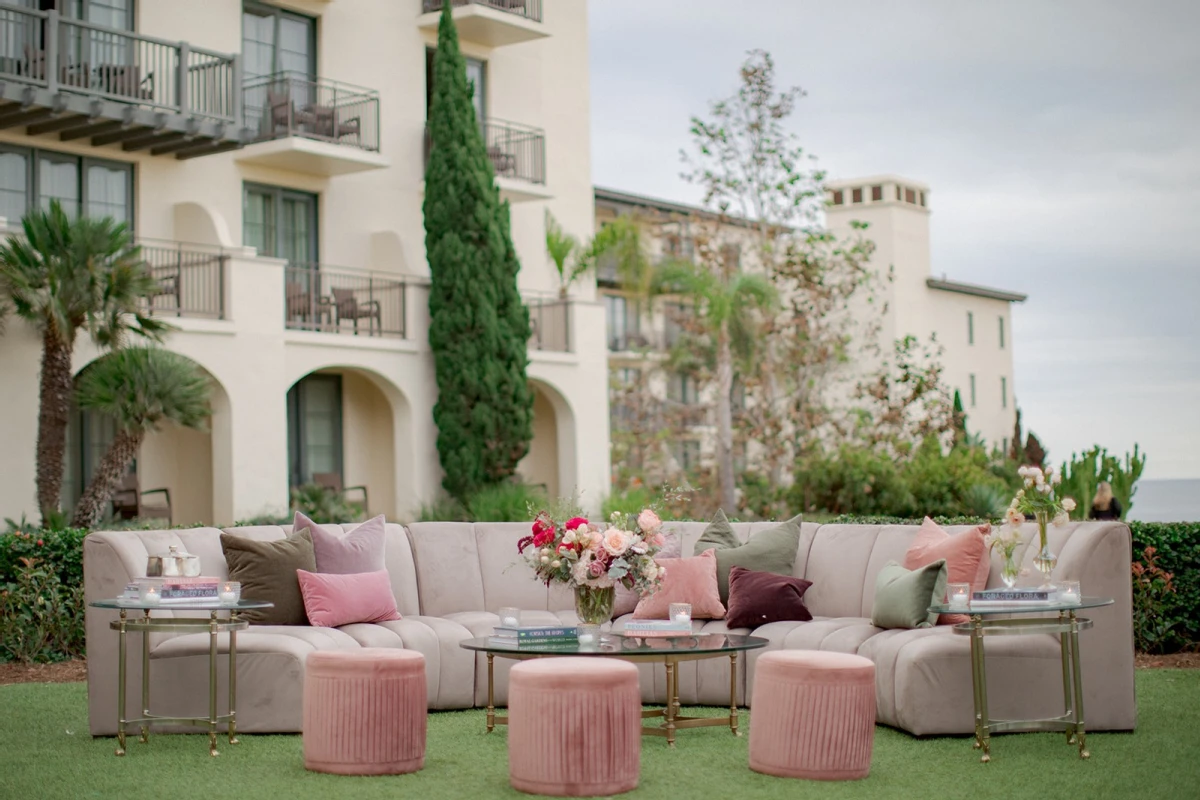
x=53 y=412
x=725 y=479
x=108 y=474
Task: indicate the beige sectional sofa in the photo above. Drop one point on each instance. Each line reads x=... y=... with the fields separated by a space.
x=449 y=579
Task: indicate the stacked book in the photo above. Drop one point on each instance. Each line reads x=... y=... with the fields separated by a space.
x=199 y=588
x=542 y=637
x=1011 y=597
x=658 y=627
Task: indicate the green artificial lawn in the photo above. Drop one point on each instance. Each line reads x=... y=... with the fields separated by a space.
x=47 y=753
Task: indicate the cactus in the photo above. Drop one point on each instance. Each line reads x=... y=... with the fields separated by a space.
x=1123 y=476
x=1083 y=473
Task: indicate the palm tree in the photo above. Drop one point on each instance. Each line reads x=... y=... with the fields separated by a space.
x=724 y=301
x=62 y=277
x=140 y=387
x=619 y=240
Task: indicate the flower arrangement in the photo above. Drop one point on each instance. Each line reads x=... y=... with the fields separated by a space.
x=580 y=553
x=1006 y=540
x=1040 y=498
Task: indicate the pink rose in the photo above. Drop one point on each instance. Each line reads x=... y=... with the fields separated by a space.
x=575 y=522
x=656 y=539
x=616 y=541
x=648 y=520
x=596 y=569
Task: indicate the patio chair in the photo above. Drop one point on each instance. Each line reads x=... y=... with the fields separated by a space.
x=167 y=284
x=282 y=112
x=326 y=123
x=69 y=74
x=125 y=80
x=347 y=306
x=502 y=162
x=128 y=501
x=333 y=482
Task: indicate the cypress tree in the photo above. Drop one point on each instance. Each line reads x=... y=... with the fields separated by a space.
x=479 y=328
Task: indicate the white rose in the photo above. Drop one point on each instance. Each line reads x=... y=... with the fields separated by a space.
x=1023 y=471
x=1057 y=479
x=1068 y=504
x=1062 y=518
x=1045 y=488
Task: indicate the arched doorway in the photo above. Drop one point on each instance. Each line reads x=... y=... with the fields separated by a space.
x=550 y=461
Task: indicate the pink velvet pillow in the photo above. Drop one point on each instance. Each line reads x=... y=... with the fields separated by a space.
x=360 y=550
x=688 y=580
x=626 y=600
x=966 y=556
x=331 y=600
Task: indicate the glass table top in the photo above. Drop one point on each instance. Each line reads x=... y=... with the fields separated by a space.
x=178 y=605
x=620 y=643
x=1021 y=608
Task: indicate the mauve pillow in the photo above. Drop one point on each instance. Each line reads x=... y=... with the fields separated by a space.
x=626 y=600
x=360 y=550
x=688 y=580
x=756 y=598
x=966 y=556
x=331 y=600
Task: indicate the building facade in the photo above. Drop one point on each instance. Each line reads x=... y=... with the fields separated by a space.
x=269 y=155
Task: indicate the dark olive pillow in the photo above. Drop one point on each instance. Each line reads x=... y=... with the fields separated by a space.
x=267 y=571
x=756 y=598
x=772 y=550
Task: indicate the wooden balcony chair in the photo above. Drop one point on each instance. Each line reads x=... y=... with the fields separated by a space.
x=333 y=482
x=125 y=80
x=502 y=162
x=347 y=306
x=282 y=112
x=128 y=501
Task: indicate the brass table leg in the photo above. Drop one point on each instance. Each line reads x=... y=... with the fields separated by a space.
x=672 y=699
x=1080 y=735
x=733 y=713
x=1064 y=646
x=979 y=679
x=121 y=685
x=491 y=706
x=233 y=677
x=212 y=684
x=145 y=727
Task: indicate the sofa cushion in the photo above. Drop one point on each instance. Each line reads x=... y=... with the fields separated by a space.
x=359 y=551
x=965 y=553
x=449 y=576
x=903 y=597
x=332 y=600
x=687 y=580
x=267 y=571
x=771 y=550
x=756 y=598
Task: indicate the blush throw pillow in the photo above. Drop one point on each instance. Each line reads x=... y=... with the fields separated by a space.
x=267 y=571
x=626 y=600
x=772 y=550
x=965 y=554
x=360 y=550
x=756 y=598
x=688 y=580
x=903 y=597
x=331 y=600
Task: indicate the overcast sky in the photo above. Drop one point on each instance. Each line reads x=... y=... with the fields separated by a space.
x=1061 y=141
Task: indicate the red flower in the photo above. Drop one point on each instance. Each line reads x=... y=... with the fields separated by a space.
x=543 y=537
x=39 y=542
x=575 y=522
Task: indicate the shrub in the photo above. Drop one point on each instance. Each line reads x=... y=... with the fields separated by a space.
x=1176 y=550
x=59 y=550
x=506 y=502
x=41 y=618
x=854 y=479
x=324 y=506
x=1152 y=589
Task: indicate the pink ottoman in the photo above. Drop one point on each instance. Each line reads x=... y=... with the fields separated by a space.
x=574 y=726
x=812 y=715
x=364 y=711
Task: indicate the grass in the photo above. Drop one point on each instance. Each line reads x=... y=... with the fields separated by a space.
x=48 y=754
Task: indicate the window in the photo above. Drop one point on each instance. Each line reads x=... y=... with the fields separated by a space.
x=1004 y=445
x=622 y=321
x=876 y=194
x=838 y=198
x=90 y=186
x=314 y=409
x=674 y=314
x=274 y=40
x=897 y=193
x=921 y=199
x=682 y=388
x=476 y=77
x=628 y=377
x=281 y=223
x=970 y=328
x=972 y=391
x=731 y=256
x=856 y=195
x=1003 y=392
x=910 y=196
x=687 y=453
x=1001 y=333
x=89 y=433
x=681 y=246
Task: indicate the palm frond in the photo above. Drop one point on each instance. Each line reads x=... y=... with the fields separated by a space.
x=141 y=387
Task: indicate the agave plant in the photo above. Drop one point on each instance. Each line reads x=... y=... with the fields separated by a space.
x=141 y=388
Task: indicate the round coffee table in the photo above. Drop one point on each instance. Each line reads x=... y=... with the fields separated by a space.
x=670 y=651
x=1000 y=621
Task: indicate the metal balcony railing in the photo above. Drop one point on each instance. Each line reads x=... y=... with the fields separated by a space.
x=335 y=300
x=294 y=104
x=550 y=322
x=529 y=9
x=191 y=279
x=516 y=151
x=58 y=53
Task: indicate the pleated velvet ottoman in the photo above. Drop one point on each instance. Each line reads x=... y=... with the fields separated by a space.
x=364 y=711
x=812 y=715
x=574 y=727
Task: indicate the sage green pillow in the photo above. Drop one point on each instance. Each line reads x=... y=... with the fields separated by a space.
x=772 y=550
x=903 y=596
x=267 y=571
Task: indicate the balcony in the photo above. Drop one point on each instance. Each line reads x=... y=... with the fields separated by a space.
x=85 y=81
x=317 y=126
x=342 y=301
x=191 y=279
x=492 y=23
x=518 y=156
x=550 y=321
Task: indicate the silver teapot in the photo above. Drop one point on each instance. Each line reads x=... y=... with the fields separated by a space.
x=175 y=564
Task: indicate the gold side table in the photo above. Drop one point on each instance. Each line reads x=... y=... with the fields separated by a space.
x=147 y=624
x=998 y=619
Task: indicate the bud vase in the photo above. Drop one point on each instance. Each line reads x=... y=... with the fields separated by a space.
x=594 y=606
x=1044 y=560
x=1011 y=570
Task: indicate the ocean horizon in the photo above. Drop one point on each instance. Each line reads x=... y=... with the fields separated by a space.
x=1175 y=500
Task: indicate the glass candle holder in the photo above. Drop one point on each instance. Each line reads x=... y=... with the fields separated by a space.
x=510 y=617
x=229 y=592
x=589 y=634
x=1068 y=592
x=958 y=595
x=149 y=593
x=680 y=612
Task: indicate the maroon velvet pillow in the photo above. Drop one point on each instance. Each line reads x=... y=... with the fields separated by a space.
x=756 y=598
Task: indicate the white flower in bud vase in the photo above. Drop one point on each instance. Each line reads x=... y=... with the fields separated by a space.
x=1045 y=488
x=1062 y=518
x=1068 y=504
x=1057 y=478
x=1023 y=471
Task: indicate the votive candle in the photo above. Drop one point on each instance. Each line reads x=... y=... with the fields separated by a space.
x=150 y=595
x=681 y=612
x=958 y=595
x=1068 y=592
x=230 y=592
x=510 y=617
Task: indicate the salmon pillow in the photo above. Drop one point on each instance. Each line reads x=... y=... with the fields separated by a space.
x=966 y=556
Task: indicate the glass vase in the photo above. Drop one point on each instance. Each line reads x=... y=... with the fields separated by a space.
x=1044 y=560
x=1010 y=571
x=594 y=606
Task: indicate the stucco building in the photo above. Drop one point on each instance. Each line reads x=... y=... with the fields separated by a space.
x=270 y=156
